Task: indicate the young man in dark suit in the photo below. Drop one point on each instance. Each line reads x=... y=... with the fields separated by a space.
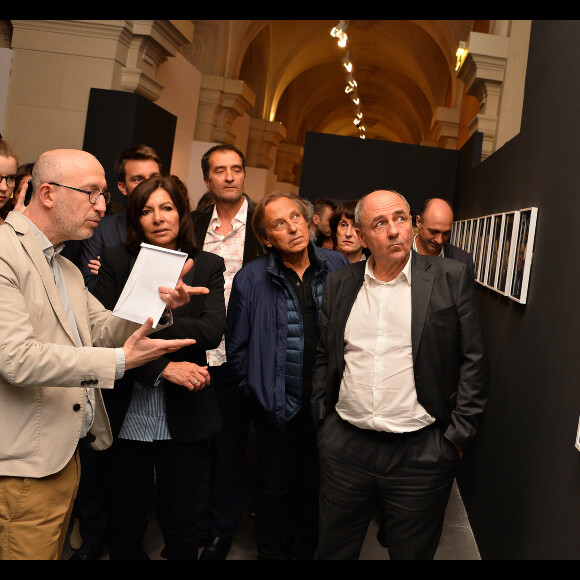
x=134 y=165
x=399 y=387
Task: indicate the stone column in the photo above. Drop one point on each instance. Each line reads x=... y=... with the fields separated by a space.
x=483 y=73
x=221 y=101
x=263 y=141
x=288 y=158
x=57 y=62
x=445 y=127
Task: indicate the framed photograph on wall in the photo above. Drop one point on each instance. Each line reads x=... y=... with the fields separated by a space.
x=481 y=275
x=460 y=233
x=468 y=225
x=495 y=237
x=478 y=251
x=523 y=253
x=475 y=245
x=508 y=244
x=472 y=236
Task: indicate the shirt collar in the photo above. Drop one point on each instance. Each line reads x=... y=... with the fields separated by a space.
x=240 y=217
x=441 y=253
x=47 y=248
x=405 y=273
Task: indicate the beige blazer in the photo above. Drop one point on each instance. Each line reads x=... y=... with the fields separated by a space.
x=42 y=371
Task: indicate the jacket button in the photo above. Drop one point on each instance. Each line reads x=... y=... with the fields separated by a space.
x=76 y=407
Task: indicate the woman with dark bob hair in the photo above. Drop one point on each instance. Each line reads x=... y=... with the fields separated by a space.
x=162 y=413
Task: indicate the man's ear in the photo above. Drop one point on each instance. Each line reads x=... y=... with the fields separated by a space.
x=361 y=237
x=315 y=219
x=122 y=187
x=46 y=194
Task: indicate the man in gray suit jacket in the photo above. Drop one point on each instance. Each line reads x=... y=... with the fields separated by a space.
x=400 y=384
x=434 y=223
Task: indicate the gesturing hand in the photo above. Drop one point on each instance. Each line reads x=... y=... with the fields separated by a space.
x=178 y=296
x=140 y=349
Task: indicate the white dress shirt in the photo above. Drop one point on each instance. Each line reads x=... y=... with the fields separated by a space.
x=378 y=387
x=231 y=248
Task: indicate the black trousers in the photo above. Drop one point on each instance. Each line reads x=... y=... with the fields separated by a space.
x=91 y=501
x=140 y=473
x=220 y=495
x=287 y=482
x=408 y=476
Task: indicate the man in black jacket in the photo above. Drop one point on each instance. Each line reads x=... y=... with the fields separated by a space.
x=224 y=228
x=399 y=387
x=434 y=223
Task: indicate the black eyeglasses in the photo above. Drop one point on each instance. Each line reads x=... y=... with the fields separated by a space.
x=93 y=195
x=10 y=180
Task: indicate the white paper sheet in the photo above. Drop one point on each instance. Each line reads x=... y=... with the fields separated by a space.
x=140 y=298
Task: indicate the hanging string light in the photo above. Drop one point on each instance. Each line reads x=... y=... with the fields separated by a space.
x=339 y=32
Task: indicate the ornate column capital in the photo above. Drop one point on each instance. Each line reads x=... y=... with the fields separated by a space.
x=135 y=48
x=221 y=101
x=264 y=135
x=445 y=127
x=288 y=157
x=483 y=73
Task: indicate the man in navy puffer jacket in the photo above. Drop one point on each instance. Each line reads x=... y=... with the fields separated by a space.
x=271 y=337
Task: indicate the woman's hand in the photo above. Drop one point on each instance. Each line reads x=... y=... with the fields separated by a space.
x=189 y=375
x=94 y=265
x=178 y=296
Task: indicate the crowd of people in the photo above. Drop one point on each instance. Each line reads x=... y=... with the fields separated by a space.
x=333 y=330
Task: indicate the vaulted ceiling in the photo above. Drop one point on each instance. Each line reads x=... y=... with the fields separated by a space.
x=404 y=70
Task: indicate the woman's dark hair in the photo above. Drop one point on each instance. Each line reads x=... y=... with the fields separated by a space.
x=346 y=208
x=136 y=201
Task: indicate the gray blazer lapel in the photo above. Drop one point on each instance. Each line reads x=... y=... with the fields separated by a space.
x=421 y=287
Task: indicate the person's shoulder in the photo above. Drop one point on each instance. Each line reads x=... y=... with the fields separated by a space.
x=111 y=219
x=457 y=253
x=439 y=265
x=332 y=257
x=208 y=258
x=254 y=268
x=115 y=253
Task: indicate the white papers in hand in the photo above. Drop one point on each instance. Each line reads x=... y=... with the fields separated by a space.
x=140 y=298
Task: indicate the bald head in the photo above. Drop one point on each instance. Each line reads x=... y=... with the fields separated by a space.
x=434 y=226
x=57 y=164
x=57 y=207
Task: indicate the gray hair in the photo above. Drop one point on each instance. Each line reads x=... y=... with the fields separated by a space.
x=258 y=224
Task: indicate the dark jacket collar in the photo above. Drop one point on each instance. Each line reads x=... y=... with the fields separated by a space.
x=275 y=264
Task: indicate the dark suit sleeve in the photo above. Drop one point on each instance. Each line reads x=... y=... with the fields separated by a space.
x=320 y=373
x=208 y=324
x=473 y=365
x=239 y=324
x=109 y=284
x=203 y=319
x=91 y=248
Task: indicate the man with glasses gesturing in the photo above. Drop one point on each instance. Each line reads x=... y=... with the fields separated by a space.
x=59 y=347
